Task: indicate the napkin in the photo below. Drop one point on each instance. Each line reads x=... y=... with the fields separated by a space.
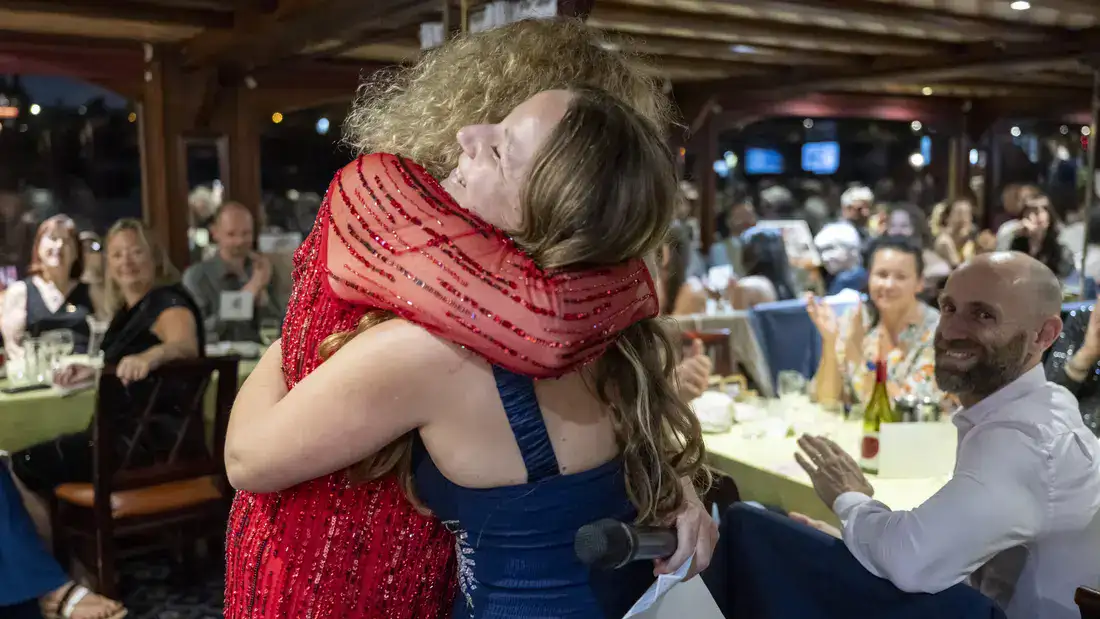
x=658 y=589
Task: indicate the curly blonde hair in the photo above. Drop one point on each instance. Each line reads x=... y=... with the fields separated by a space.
x=476 y=79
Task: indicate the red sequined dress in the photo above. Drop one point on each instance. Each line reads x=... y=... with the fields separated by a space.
x=389 y=237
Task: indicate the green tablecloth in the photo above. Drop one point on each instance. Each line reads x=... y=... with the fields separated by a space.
x=36 y=416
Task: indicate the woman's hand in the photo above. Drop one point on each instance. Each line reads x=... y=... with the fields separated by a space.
x=73 y=374
x=696 y=534
x=987 y=241
x=853 y=346
x=693 y=373
x=133 y=368
x=823 y=318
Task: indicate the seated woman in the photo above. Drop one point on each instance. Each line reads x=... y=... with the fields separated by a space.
x=610 y=438
x=32 y=584
x=154 y=321
x=53 y=297
x=1074 y=363
x=895 y=326
x=953 y=226
x=1037 y=237
x=768 y=275
x=681 y=294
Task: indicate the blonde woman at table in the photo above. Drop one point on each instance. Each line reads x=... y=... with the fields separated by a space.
x=895 y=325
x=154 y=322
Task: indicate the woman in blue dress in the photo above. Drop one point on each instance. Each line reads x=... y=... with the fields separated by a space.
x=513 y=466
x=32 y=584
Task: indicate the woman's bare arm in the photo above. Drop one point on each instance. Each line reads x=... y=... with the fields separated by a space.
x=385 y=382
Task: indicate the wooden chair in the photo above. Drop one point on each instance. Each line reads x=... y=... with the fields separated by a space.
x=1088 y=600
x=717 y=346
x=182 y=492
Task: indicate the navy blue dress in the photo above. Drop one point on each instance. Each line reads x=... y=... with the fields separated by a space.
x=27 y=570
x=514 y=544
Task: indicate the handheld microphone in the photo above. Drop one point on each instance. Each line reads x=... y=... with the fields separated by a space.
x=611 y=544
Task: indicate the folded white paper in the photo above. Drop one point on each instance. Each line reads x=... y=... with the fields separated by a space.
x=669 y=598
x=658 y=589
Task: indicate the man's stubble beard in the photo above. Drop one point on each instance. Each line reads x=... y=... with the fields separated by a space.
x=994 y=369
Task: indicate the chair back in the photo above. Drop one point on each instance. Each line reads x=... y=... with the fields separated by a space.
x=155 y=431
x=1088 y=601
x=716 y=343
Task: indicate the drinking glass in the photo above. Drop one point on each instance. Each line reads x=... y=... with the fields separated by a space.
x=96 y=330
x=34 y=360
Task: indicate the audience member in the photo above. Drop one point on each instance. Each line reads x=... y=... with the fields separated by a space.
x=1038 y=237
x=154 y=321
x=907 y=221
x=1074 y=362
x=839 y=245
x=1019 y=516
x=767 y=270
x=895 y=326
x=52 y=297
x=727 y=250
x=855 y=208
x=953 y=225
x=234 y=288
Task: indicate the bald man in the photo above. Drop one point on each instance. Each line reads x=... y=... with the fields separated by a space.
x=233 y=289
x=1018 y=520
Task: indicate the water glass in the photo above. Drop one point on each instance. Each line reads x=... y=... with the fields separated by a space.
x=96 y=330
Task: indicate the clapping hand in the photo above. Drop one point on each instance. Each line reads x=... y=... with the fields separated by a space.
x=831 y=469
x=823 y=318
x=693 y=372
x=1091 y=344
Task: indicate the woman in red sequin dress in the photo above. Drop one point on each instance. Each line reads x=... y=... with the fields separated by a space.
x=329 y=547
x=620 y=430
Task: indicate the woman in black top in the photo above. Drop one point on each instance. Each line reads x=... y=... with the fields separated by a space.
x=1074 y=363
x=1038 y=237
x=154 y=321
x=52 y=297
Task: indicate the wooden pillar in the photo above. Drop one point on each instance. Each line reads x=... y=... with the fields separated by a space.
x=707 y=181
x=242 y=126
x=163 y=172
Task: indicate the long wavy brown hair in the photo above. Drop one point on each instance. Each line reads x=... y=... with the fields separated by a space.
x=478 y=79
x=601 y=191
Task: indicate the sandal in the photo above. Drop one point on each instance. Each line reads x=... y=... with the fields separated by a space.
x=67 y=605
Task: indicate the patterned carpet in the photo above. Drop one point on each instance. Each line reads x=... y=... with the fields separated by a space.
x=151 y=591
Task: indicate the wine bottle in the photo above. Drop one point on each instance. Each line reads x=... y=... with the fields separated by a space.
x=877 y=412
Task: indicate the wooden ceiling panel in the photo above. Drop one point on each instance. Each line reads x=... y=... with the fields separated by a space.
x=105 y=28
x=751 y=31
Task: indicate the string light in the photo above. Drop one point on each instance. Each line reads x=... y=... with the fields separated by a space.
x=277 y=118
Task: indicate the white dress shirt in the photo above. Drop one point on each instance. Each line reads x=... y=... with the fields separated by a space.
x=1019 y=516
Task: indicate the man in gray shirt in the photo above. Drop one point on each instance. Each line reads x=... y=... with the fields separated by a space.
x=236 y=268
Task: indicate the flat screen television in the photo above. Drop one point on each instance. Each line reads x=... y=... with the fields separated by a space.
x=821 y=157
x=763 y=161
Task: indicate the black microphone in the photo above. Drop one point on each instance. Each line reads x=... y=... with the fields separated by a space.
x=611 y=544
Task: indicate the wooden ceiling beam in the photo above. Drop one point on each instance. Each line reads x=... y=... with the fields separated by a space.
x=755 y=54
x=757 y=32
x=1081 y=7
x=894 y=15
x=1017 y=59
x=133 y=10
x=261 y=40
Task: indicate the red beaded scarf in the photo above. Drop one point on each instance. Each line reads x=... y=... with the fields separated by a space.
x=399 y=242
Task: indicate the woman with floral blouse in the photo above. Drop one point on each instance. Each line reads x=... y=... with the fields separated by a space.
x=894 y=325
